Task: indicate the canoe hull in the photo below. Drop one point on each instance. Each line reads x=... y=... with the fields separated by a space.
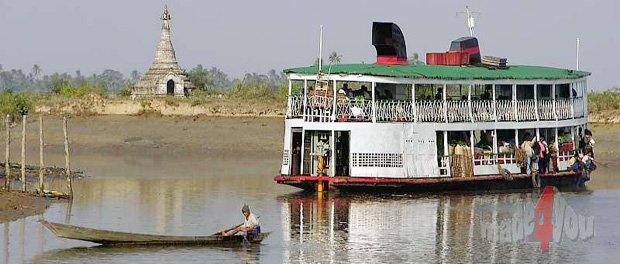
x=112 y=238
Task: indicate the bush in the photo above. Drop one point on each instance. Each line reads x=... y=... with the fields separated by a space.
x=15 y=104
x=604 y=101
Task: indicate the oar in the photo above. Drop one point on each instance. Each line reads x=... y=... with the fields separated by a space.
x=226 y=231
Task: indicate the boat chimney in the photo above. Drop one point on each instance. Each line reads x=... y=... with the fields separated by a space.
x=389 y=42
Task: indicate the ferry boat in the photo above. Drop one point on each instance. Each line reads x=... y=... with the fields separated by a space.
x=456 y=124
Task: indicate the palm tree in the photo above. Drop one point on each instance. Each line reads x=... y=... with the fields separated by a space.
x=36 y=71
x=334 y=58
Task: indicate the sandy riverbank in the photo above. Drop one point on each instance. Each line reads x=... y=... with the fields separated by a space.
x=16 y=205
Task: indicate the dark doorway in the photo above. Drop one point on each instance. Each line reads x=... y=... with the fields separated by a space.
x=296 y=151
x=170 y=87
x=342 y=153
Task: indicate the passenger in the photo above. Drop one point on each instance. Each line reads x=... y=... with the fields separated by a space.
x=365 y=93
x=529 y=153
x=347 y=91
x=553 y=155
x=536 y=154
x=249 y=226
x=439 y=94
x=486 y=95
x=589 y=144
x=574 y=164
x=505 y=147
x=542 y=155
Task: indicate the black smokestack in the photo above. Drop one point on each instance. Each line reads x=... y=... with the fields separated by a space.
x=389 y=43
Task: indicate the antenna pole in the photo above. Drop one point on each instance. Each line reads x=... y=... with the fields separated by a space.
x=321 y=48
x=577 y=53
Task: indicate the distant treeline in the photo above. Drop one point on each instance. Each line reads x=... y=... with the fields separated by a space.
x=112 y=82
x=604 y=101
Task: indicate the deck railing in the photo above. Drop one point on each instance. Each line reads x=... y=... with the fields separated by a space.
x=430 y=111
x=458 y=111
x=354 y=110
x=321 y=108
x=505 y=110
x=482 y=110
x=526 y=110
x=545 y=110
x=295 y=106
x=563 y=108
x=394 y=110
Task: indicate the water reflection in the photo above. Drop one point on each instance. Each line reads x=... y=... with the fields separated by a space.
x=392 y=229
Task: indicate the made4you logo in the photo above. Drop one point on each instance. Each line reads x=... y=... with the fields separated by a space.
x=550 y=220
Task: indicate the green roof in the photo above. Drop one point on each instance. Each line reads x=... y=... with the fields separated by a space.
x=514 y=72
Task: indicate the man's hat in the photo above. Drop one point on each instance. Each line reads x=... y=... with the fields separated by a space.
x=245 y=208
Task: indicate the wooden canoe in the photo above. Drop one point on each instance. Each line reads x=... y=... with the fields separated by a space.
x=112 y=238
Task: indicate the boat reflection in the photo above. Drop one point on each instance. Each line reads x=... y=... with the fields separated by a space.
x=403 y=228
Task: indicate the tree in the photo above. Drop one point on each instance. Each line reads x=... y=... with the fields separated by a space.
x=334 y=58
x=199 y=77
x=36 y=71
x=415 y=59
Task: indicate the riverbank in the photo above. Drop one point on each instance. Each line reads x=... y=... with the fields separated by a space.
x=166 y=106
x=16 y=205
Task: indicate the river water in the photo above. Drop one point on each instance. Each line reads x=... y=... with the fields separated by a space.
x=199 y=197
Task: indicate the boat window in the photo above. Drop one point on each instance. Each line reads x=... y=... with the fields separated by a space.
x=354 y=90
x=562 y=91
x=390 y=91
x=297 y=87
x=544 y=91
x=503 y=92
x=505 y=140
x=428 y=92
x=525 y=92
x=482 y=92
x=456 y=92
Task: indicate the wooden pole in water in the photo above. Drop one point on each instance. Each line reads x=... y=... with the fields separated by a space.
x=67 y=159
x=7 y=165
x=24 y=153
x=41 y=163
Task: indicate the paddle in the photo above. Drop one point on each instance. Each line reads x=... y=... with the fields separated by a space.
x=226 y=231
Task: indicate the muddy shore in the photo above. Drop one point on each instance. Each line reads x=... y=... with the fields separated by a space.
x=15 y=205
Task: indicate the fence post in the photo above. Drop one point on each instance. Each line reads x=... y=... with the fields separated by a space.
x=7 y=158
x=41 y=163
x=67 y=158
x=24 y=153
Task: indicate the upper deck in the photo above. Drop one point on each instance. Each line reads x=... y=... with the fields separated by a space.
x=435 y=93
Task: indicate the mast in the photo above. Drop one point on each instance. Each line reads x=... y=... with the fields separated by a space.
x=320 y=49
x=577 y=53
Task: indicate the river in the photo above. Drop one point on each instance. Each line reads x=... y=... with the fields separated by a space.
x=193 y=195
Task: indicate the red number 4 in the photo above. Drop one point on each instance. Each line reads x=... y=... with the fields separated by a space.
x=543 y=232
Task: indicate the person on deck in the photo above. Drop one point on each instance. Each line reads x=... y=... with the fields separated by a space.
x=542 y=155
x=529 y=153
x=249 y=226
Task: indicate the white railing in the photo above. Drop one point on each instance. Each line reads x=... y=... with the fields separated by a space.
x=482 y=111
x=458 y=111
x=484 y=159
x=505 y=110
x=563 y=108
x=357 y=110
x=430 y=111
x=526 y=110
x=295 y=106
x=578 y=107
x=319 y=108
x=505 y=158
x=396 y=111
x=545 y=110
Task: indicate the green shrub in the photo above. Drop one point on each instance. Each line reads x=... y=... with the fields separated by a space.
x=604 y=101
x=15 y=104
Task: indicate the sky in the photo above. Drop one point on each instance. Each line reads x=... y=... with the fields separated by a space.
x=254 y=36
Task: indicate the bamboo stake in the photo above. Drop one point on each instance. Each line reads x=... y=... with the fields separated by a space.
x=7 y=158
x=67 y=158
x=41 y=163
x=24 y=153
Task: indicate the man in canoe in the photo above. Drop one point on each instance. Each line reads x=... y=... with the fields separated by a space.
x=250 y=224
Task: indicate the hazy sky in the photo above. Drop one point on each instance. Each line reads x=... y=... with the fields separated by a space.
x=255 y=36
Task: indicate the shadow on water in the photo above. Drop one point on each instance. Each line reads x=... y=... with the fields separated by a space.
x=241 y=253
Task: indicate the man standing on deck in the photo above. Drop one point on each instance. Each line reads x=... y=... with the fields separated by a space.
x=250 y=224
